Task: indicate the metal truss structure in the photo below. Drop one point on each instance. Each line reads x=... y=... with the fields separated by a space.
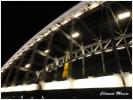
x=123 y=40
x=95 y=48
x=74 y=12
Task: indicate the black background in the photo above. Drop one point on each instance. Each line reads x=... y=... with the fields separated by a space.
x=22 y=20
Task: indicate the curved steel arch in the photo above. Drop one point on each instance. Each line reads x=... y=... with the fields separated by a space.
x=74 y=12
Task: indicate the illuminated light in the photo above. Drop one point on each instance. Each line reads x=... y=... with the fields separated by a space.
x=77 y=14
x=46 y=51
x=27 y=65
x=88 y=55
x=38 y=39
x=64 y=22
x=20 y=53
x=130 y=45
x=91 y=82
x=55 y=85
x=119 y=48
x=10 y=63
x=30 y=87
x=55 y=27
x=98 y=52
x=93 y=6
x=73 y=60
x=108 y=50
x=47 y=33
x=124 y=15
x=74 y=35
x=42 y=53
x=31 y=44
x=46 y=68
x=80 y=57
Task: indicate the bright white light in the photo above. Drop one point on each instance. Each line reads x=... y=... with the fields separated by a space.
x=46 y=68
x=47 y=33
x=38 y=39
x=108 y=50
x=74 y=35
x=80 y=57
x=57 y=85
x=77 y=14
x=64 y=22
x=88 y=55
x=119 y=48
x=55 y=27
x=93 y=6
x=27 y=65
x=98 y=52
x=10 y=63
x=91 y=82
x=30 y=87
x=46 y=51
x=124 y=15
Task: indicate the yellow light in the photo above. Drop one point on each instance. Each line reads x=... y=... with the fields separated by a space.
x=124 y=15
x=74 y=35
x=27 y=65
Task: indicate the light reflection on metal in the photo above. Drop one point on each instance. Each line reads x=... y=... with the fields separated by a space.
x=98 y=52
x=47 y=33
x=27 y=65
x=46 y=51
x=94 y=5
x=55 y=27
x=124 y=15
x=80 y=57
x=119 y=48
x=108 y=50
x=75 y=35
x=64 y=22
x=77 y=14
x=88 y=55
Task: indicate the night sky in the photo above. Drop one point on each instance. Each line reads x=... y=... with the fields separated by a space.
x=22 y=20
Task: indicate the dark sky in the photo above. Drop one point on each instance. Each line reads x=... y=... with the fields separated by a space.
x=22 y=20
